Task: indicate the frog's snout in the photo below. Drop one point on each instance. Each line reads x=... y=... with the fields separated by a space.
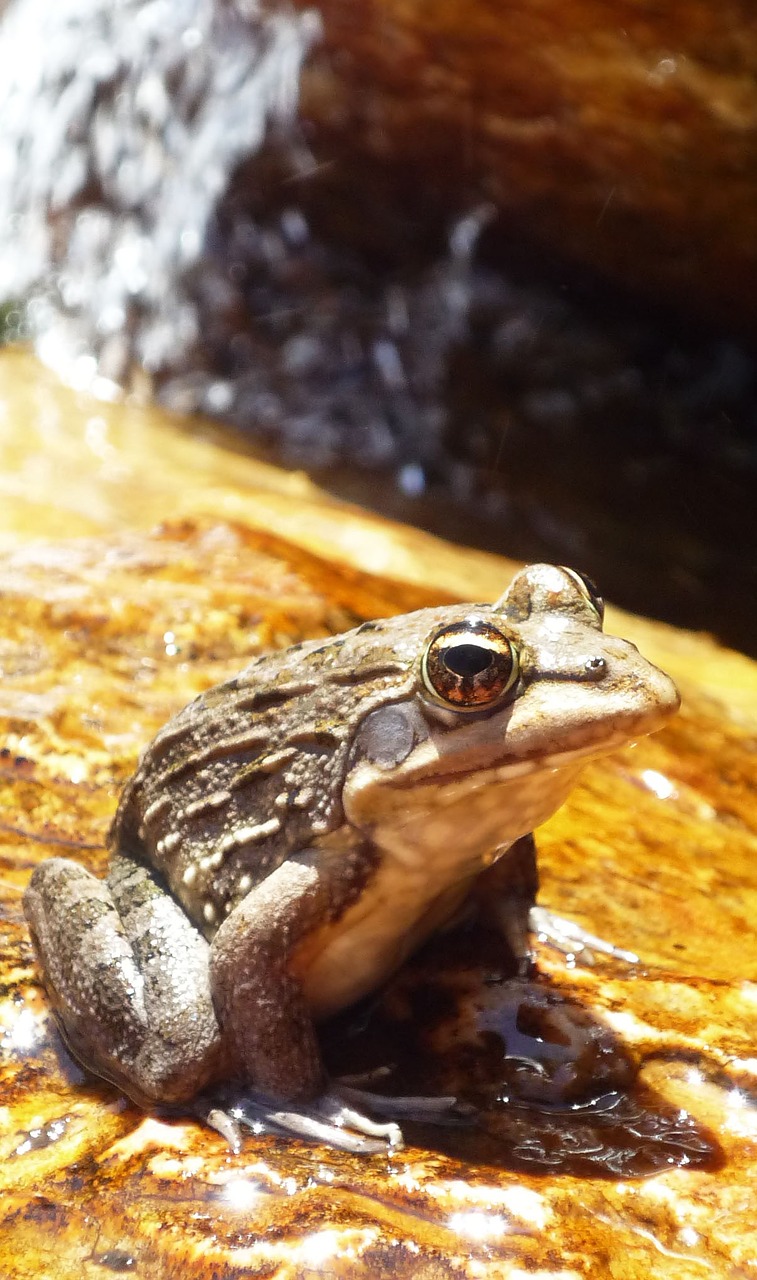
x=646 y=689
x=665 y=694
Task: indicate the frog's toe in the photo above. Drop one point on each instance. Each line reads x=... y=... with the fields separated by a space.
x=572 y=940
x=225 y=1124
x=440 y=1109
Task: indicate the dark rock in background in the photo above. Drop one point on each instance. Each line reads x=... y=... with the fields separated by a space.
x=166 y=214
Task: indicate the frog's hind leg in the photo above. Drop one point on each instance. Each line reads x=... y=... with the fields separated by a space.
x=127 y=975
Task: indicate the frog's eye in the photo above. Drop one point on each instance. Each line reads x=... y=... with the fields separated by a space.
x=469 y=666
x=588 y=590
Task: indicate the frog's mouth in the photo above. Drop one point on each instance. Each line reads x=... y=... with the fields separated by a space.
x=426 y=775
x=541 y=731
x=424 y=769
x=550 y=728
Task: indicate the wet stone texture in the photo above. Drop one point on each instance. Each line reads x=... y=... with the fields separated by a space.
x=613 y=1129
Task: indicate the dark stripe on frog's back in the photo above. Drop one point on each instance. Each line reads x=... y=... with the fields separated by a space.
x=242 y=740
x=263 y=690
x=177 y=742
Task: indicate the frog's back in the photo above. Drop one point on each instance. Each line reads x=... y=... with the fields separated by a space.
x=252 y=770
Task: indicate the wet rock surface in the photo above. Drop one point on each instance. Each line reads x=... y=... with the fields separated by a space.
x=614 y=1123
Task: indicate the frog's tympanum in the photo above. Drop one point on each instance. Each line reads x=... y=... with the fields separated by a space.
x=294 y=833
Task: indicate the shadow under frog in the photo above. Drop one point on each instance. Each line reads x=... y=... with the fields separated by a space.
x=550 y=1087
x=292 y=836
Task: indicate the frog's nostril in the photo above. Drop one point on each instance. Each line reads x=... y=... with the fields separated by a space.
x=595 y=668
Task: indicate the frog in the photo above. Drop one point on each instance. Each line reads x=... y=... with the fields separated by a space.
x=292 y=835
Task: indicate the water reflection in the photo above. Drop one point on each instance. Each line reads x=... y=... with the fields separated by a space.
x=553 y=1087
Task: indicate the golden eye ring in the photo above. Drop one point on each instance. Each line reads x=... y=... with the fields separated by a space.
x=469 y=666
x=588 y=589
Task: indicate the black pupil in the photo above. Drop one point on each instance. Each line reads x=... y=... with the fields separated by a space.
x=467 y=659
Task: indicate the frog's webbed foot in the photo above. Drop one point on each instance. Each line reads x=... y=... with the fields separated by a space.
x=337 y=1118
x=572 y=940
x=328 y=1119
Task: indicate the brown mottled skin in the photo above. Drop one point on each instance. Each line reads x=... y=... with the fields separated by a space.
x=292 y=834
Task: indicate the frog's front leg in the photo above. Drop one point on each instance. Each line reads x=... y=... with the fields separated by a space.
x=268 y=1028
x=506 y=897
x=507 y=894
x=267 y=1024
x=128 y=978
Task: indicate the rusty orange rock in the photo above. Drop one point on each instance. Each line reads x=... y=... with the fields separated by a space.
x=130 y=582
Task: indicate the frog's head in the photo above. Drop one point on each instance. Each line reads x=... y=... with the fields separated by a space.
x=507 y=698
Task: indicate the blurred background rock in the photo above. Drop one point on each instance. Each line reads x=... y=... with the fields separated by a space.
x=490 y=269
